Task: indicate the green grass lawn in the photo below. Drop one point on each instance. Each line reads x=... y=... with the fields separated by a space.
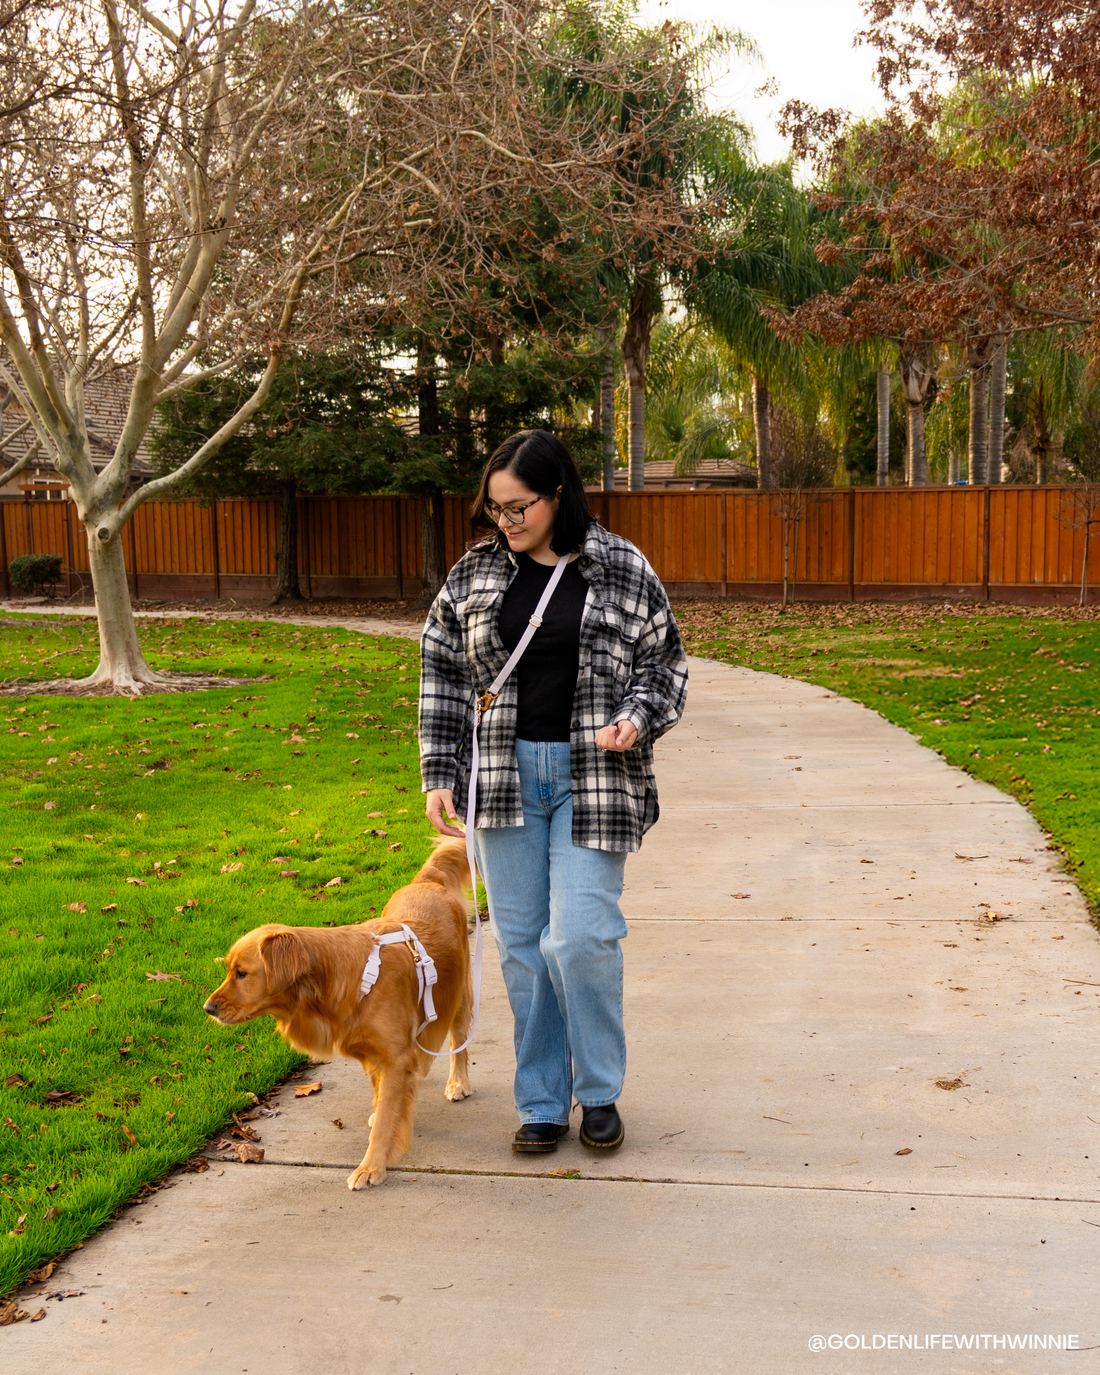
x=1011 y=696
x=140 y=839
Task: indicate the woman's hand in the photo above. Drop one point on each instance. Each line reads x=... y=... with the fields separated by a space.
x=620 y=736
x=440 y=804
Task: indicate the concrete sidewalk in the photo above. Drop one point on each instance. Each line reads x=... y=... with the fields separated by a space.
x=814 y=985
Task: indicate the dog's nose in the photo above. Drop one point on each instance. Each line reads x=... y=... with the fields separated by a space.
x=210 y=1006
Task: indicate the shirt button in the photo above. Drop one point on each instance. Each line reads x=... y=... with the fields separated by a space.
x=574 y=774
x=576 y=725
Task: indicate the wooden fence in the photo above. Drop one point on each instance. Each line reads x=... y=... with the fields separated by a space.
x=999 y=543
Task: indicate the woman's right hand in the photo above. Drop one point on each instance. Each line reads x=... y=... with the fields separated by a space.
x=440 y=805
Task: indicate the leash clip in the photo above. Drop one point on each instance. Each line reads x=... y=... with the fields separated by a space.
x=484 y=702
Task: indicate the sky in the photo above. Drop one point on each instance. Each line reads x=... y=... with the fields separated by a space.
x=806 y=47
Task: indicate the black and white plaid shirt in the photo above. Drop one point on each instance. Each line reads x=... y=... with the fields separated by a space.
x=632 y=668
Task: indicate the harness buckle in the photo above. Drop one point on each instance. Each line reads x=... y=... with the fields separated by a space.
x=484 y=702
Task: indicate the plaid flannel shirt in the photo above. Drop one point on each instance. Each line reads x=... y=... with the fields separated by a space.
x=632 y=668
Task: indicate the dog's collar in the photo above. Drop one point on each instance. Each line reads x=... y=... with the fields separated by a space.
x=426 y=973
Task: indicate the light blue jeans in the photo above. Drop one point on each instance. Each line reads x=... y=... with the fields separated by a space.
x=557 y=923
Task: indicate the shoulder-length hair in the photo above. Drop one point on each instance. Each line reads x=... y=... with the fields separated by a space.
x=543 y=464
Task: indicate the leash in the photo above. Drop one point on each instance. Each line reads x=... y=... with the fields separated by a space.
x=425 y=965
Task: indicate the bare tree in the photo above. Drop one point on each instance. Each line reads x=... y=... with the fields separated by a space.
x=182 y=188
x=802 y=462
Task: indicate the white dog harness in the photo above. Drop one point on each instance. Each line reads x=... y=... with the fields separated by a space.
x=425 y=966
x=426 y=973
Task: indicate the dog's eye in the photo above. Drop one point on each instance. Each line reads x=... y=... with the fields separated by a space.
x=242 y=973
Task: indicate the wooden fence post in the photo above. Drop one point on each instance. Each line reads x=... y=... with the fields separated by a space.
x=986 y=501
x=69 y=543
x=303 y=525
x=399 y=544
x=133 y=558
x=217 y=556
x=724 y=542
x=4 y=546
x=851 y=544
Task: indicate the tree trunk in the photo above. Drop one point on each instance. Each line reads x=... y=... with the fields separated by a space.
x=286 y=566
x=882 y=473
x=997 y=384
x=915 y=362
x=433 y=538
x=917 y=465
x=639 y=326
x=121 y=662
x=762 y=423
x=979 y=356
x=607 y=423
x=953 y=469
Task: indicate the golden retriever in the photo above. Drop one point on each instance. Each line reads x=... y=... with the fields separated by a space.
x=308 y=980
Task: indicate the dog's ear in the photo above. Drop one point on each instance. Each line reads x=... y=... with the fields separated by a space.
x=285 y=957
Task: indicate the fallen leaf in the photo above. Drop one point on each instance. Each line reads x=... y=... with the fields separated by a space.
x=157 y=977
x=16 y=1081
x=335 y=883
x=370 y=814
x=111 y=907
x=129 y=1135
x=77 y=907
x=250 y=1154
x=949 y=1084
x=37 y=1317
x=905 y=1150
x=59 y=1098
x=49 y=806
x=395 y=846
x=740 y=895
x=352 y=735
x=336 y=1122
x=380 y=834
x=42 y=1021
x=304 y=1090
x=43 y=1273
x=198 y=1166
x=226 y=868
x=191 y=902
x=958 y=856
x=866 y=861
x=139 y=882
x=51 y=1213
x=995 y=916
x=10 y=1312
x=288 y=873
x=52 y=759
x=17 y=861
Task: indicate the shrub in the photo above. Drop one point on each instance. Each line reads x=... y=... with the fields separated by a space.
x=31 y=572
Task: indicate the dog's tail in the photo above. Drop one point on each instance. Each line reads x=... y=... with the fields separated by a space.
x=447 y=866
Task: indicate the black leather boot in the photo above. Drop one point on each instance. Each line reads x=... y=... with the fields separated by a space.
x=601 y=1128
x=538 y=1138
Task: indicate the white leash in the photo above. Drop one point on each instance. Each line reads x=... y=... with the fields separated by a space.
x=425 y=965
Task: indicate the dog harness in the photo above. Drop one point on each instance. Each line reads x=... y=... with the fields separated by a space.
x=426 y=973
x=481 y=706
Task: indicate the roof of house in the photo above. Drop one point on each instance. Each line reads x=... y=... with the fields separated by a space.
x=107 y=400
x=660 y=476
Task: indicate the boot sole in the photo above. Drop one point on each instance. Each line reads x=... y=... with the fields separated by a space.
x=602 y=1145
x=534 y=1147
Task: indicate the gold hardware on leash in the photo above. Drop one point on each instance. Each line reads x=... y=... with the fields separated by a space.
x=484 y=702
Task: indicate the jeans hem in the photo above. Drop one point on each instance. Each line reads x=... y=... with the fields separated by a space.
x=542 y=1122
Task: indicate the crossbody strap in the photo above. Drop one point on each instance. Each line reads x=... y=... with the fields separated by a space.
x=481 y=706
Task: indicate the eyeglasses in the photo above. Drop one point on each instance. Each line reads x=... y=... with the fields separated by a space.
x=513 y=514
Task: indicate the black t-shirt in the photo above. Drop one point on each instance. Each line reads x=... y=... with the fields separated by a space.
x=546 y=676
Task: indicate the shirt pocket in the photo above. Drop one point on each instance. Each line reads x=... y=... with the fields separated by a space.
x=613 y=649
x=485 y=652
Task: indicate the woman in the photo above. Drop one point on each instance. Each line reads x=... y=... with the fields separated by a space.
x=565 y=787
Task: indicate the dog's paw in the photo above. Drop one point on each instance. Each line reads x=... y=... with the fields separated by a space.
x=457 y=1090
x=365 y=1177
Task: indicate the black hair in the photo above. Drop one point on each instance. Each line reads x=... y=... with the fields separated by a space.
x=543 y=464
